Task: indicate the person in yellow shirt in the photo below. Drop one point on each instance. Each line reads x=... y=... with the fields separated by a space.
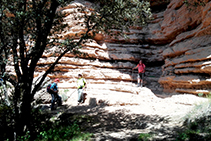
x=81 y=85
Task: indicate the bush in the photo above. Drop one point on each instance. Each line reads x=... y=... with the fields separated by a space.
x=197 y=125
x=42 y=128
x=59 y=133
x=6 y=122
x=54 y=130
x=144 y=137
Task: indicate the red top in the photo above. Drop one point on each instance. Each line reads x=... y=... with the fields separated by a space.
x=141 y=68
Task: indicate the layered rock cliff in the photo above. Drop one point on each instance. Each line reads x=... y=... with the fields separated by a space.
x=175 y=47
x=187 y=57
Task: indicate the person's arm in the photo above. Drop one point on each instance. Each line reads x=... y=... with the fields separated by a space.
x=52 y=88
x=135 y=67
x=84 y=84
x=144 y=68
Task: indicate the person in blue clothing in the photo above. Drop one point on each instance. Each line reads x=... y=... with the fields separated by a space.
x=54 y=94
x=81 y=85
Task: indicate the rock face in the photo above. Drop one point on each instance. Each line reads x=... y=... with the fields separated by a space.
x=175 y=47
x=187 y=57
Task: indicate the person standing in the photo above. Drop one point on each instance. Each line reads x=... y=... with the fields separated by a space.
x=54 y=94
x=81 y=85
x=141 y=70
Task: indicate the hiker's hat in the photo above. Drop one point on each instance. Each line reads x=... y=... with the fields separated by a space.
x=56 y=80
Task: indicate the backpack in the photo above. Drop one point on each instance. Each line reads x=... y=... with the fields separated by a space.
x=48 y=88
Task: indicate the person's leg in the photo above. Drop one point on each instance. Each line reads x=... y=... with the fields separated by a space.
x=80 y=95
x=138 y=80
x=52 y=102
x=142 y=76
x=59 y=100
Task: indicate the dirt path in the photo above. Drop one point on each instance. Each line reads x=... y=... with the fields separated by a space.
x=124 y=116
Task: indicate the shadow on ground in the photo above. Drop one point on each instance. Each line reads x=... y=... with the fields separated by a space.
x=119 y=125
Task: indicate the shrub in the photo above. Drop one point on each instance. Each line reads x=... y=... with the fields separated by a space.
x=197 y=124
x=144 y=137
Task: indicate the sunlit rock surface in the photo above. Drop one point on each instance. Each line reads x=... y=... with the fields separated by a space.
x=175 y=47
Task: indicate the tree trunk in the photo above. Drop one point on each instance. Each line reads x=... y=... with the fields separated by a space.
x=23 y=113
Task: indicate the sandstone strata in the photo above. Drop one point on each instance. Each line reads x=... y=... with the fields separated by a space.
x=187 y=59
x=175 y=46
x=110 y=68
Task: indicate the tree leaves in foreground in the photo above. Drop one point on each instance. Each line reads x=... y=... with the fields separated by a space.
x=29 y=27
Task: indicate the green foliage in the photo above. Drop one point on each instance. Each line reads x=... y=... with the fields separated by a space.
x=144 y=137
x=6 y=114
x=60 y=133
x=62 y=130
x=120 y=15
x=191 y=5
x=209 y=95
x=199 y=110
x=6 y=121
x=195 y=3
x=64 y=94
x=182 y=136
x=26 y=137
x=64 y=97
x=200 y=94
x=194 y=134
x=197 y=124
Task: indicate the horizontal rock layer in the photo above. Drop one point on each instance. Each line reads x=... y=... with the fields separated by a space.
x=175 y=47
x=187 y=59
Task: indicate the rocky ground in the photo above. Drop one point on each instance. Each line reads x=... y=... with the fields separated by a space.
x=114 y=115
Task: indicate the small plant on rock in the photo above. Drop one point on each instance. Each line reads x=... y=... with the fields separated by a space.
x=144 y=137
